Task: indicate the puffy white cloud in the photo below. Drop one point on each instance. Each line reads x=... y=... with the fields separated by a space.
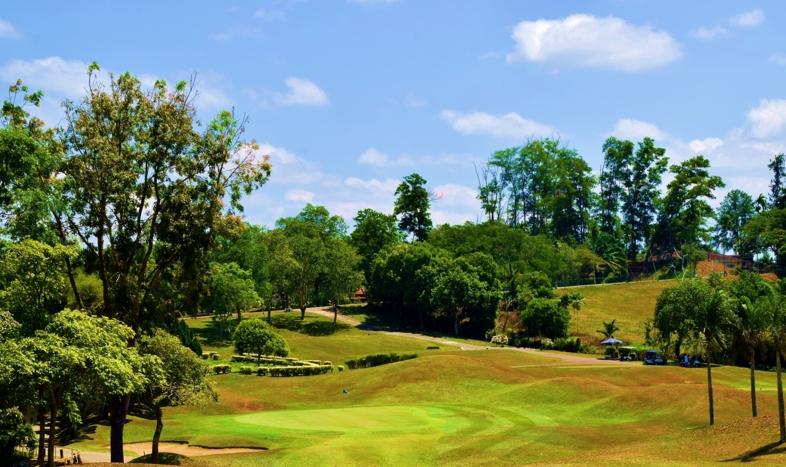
x=510 y=125
x=456 y=205
x=375 y=158
x=749 y=18
x=768 y=119
x=584 y=41
x=8 y=30
x=52 y=74
x=302 y=91
x=299 y=195
x=636 y=130
x=704 y=33
x=705 y=145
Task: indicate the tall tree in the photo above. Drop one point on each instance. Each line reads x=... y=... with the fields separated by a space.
x=184 y=380
x=754 y=325
x=412 y=205
x=231 y=291
x=777 y=196
x=616 y=156
x=255 y=336
x=734 y=212
x=642 y=181
x=341 y=271
x=146 y=191
x=248 y=250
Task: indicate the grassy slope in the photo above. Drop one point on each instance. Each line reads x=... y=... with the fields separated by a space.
x=629 y=304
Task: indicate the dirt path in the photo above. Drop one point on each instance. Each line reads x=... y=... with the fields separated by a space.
x=566 y=359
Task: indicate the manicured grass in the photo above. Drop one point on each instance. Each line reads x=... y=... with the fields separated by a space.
x=474 y=408
x=630 y=304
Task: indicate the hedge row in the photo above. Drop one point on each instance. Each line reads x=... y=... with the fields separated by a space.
x=378 y=359
x=278 y=361
x=294 y=370
x=221 y=369
x=210 y=355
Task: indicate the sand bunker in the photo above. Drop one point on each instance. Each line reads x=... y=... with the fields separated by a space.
x=185 y=449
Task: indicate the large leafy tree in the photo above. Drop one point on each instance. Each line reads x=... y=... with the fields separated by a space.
x=543 y=317
x=231 y=291
x=183 y=382
x=374 y=232
x=36 y=282
x=341 y=273
x=144 y=191
x=412 y=205
x=777 y=195
x=248 y=250
x=613 y=175
x=256 y=337
x=734 y=212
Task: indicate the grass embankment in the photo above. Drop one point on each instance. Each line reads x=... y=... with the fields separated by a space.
x=475 y=408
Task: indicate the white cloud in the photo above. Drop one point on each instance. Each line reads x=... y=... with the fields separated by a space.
x=299 y=195
x=510 y=125
x=279 y=155
x=270 y=15
x=52 y=75
x=705 y=145
x=768 y=119
x=415 y=101
x=636 y=130
x=373 y=157
x=750 y=18
x=301 y=92
x=457 y=204
x=704 y=33
x=236 y=31
x=388 y=186
x=584 y=41
x=8 y=30
x=778 y=58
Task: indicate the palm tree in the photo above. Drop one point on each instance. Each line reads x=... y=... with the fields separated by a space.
x=609 y=329
x=775 y=304
x=753 y=326
x=713 y=324
x=576 y=302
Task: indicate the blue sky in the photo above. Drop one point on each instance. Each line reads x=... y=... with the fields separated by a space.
x=348 y=97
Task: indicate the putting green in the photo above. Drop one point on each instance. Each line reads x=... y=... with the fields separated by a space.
x=355 y=419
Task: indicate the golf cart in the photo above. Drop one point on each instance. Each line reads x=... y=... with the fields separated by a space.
x=628 y=354
x=652 y=357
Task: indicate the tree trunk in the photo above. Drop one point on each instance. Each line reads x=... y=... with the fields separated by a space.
x=455 y=322
x=157 y=433
x=268 y=314
x=753 y=383
x=41 y=431
x=302 y=312
x=781 y=421
x=709 y=389
x=118 y=409
x=52 y=430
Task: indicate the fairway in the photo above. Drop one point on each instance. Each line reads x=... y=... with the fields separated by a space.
x=353 y=419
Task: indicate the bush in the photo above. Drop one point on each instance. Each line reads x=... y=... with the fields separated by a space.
x=262 y=371
x=238 y=358
x=164 y=458
x=543 y=317
x=377 y=359
x=299 y=370
x=214 y=356
x=499 y=339
x=571 y=344
x=246 y=370
x=340 y=367
x=221 y=369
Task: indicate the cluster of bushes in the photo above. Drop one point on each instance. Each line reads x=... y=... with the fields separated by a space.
x=377 y=359
x=221 y=369
x=278 y=361
x=310 y=370
x=569 y=344
x=210 y=355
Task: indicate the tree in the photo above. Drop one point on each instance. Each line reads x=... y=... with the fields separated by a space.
x=144 y=192
x=609 y=329
x=543 y=318
x=341 y=271
x=754 y=324
x=733 y=213
x=374 y=232
x=248 y=250
x=255 y=336
x=412 y=204
x=576 y=302
x=677 y=309
x=685 y=210
x=232 y=291
x=775 y=306
x=14 y=432
x=184 y=381
x=777 y=196
x=308 y=253
x=642 y=178
x=613 y=175
x=37 y=283
x=281 y=267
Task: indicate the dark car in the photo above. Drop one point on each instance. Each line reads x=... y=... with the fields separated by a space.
x=652 y=357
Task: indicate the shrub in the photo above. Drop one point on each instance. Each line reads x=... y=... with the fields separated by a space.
x=377 y=359
x=340 y=367
x=221 y=369
x=571 y=344
x=214 y=356
x=299 y=370
x=543 y=317
x=246 y=370
x=499 y=339
x=262 y=371
x=238 y=358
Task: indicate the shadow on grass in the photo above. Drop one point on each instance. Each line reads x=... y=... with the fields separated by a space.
x=292 y=322
x=211 y=336
x=766 y=450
